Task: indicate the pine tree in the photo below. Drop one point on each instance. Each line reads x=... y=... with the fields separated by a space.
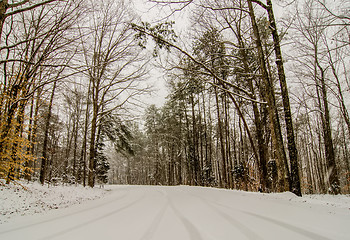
x=102 y=165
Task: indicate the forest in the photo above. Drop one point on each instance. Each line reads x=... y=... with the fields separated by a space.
x=258 y=94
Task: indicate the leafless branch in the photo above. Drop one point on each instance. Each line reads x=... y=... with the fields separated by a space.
x=224 y=8
x=29 y=7
x=260 y=4
x=14 y=5
x=334 y=15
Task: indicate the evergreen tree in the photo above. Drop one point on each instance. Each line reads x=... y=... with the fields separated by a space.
x=102 y=165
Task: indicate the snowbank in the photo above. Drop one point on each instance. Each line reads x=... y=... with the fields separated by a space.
x=336 y=201
x=16 y=201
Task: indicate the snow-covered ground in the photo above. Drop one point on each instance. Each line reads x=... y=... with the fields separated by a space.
x=15 y=201
x=182 y=212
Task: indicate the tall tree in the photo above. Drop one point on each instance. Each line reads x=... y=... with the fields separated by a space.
x=311 y=26
x=292 y=149
x=114 y=65
x=44 y=161
x=272 y=108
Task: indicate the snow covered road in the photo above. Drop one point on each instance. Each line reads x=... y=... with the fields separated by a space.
x=186 y=213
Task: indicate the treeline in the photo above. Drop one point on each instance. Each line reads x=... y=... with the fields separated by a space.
x=72 y=72
x=230 y=119
x=69 y=71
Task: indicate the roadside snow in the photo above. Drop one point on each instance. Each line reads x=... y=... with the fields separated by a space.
x=15 y=201
x=341 y=202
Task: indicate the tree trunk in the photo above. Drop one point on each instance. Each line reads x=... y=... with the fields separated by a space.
x=332 y=172
x=3 y=9
x=196 y=167
x=92 y=160
x=292 y=149
x=28 y=165
x=262 y=162
x=221 y=139
x=75 y=148
x=84 y=145
x=228 y=142
x=46 y=138
x=284 y=176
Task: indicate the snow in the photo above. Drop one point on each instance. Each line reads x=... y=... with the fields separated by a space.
x=182 y=213
x=16 y=201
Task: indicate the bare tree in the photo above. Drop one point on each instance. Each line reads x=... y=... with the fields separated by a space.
x=115 y=66
x=311 y=32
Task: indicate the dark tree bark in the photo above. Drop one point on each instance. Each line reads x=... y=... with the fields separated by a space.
x=332 y=171
x=222 y=143
x=262 y=146
x=292 y=149
x=95 y=110
x=44 y=160
x=277 y=138
x=84 y=144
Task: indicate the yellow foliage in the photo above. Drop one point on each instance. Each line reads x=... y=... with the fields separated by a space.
x=15 y=159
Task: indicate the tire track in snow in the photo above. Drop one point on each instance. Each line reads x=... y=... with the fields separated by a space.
x=234 y=222
x=155 y=223
x=64 y=216
x=157 y=219
x=292 y=228
x=282 y=224
x=93 y=220
x=192 y=230
x=238 y=225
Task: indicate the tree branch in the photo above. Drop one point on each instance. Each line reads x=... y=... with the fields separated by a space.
x=29 y=8
x=334 y=15
x=13 y=5
x=212 y=73
x=260 y=4
x=224 y=8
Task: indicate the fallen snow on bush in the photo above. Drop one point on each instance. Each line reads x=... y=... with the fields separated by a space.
x=32 y=198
